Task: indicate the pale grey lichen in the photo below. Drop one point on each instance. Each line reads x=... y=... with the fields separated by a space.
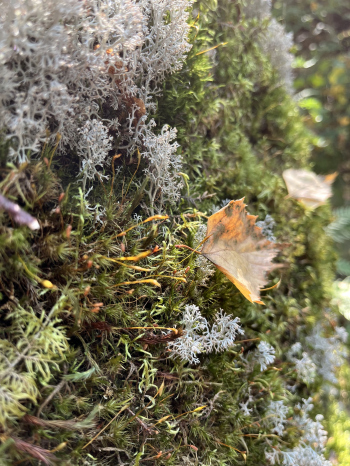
x=62 y=61
x=305 y=368
x=264 y=355
x=342 y=334
x=257 y=9
x=276 y=43
x=93 y=149
x=163 y=168
x=267 y=226
x=244 y=405
x=206 y=269
x=276 y=416
x=327 y=352
x=50 y=66
x=199 y=338
x=311 y=447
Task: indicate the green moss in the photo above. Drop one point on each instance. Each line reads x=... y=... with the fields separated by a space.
x=238 y=131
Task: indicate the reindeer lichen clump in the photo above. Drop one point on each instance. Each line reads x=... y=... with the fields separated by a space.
x=89 y=72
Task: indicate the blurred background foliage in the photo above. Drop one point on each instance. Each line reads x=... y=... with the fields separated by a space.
x=321 y=32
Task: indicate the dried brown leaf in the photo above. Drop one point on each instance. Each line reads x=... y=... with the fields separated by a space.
x=238 y=248
x=311 y=189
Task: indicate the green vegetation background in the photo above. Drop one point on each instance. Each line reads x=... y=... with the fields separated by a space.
x=75 y=370
x=321 y=32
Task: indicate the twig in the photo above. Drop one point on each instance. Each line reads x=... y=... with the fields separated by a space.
x=142 y=424
x=211 y=403
x=250 y=339
x=105 y=427
x=49 y=398
x=178 y=246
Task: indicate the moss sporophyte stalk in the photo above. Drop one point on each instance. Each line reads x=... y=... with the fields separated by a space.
x=132 y=276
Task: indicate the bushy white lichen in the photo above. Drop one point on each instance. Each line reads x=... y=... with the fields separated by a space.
x=89 y=70
x=276 y=416
x=311 y=447
x=163 y=169
x=51 y=71
x=93 y=149
x=264 y=355
x=199 y=338
x=267 y=226
x=327 y=352
x=274 y=41
x=305 y=368
x=257 y=9
x=244 y=405
x=206 y=269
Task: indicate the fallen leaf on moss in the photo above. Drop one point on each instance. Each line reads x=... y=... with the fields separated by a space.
x=238 y=248
x=311 y=189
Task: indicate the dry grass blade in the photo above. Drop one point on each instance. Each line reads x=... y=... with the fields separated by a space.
x=35 y=451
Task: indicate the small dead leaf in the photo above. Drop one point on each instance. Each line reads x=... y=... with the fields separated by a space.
x=311 y=189
x=238 y=248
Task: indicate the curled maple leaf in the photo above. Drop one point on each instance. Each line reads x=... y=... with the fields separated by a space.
x=311 y=189
x=239 y=249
